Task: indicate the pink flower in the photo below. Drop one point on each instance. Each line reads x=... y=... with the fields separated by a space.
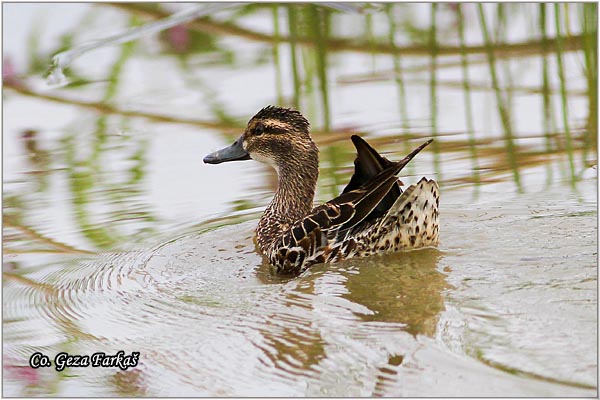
x=179 y=38
x=24 y=373
x=9 y=73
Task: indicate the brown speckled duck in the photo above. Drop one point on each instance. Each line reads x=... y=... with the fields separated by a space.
x=371 y=216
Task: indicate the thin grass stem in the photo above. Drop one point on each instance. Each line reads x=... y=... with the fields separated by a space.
x=276 y=55
x=293 y=33
x=590 y=36
x=503 y=112
x=433 y=91
x=467 y=97
x=548 y=116
x=399 y=80
x=563 y=93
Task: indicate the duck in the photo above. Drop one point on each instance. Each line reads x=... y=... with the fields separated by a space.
x=372 y=215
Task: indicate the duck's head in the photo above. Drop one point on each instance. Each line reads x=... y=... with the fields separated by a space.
x=276 y=136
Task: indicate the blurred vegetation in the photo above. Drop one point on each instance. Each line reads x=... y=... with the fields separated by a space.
x=301 y=42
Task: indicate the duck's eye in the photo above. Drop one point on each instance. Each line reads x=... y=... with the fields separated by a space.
x=259 y=129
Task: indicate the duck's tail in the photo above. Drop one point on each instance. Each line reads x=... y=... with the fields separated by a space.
x=415 y=215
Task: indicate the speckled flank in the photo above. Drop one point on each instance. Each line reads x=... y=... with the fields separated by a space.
x=411 y=223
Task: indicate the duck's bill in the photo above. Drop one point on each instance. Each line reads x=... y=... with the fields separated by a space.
x=234 y=152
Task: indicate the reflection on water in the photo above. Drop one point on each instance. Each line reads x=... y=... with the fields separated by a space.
x=404 y=288
x=213 y=319
x=117 y=237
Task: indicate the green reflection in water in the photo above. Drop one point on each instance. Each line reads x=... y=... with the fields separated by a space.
x=314 y=39
x=433 y=100
x=292 y=26
x=399 y=80
x=467 y=98
x=501 y=102
x=563 y=92
x=590 y=39
x=549 y=119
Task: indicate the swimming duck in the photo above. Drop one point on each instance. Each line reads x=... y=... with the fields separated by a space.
x=372 y=215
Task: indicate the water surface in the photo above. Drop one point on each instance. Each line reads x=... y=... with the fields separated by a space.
x=117 y=237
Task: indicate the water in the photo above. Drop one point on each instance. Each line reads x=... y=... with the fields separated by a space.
x=117 y=237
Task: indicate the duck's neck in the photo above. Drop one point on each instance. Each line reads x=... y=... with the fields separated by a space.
x=293 y=199
x=295 y=193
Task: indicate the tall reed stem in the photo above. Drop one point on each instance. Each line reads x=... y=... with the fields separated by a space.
x=503 y=112
x=467 y=97
x=563 y=93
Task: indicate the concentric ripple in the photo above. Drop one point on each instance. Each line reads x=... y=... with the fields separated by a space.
x=209 y=320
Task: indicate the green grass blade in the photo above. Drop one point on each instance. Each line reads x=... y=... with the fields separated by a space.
x=433 y=92
x=276 y=55
x=293 y=34
x=503 y=112
x=563 y=93
x=590 y=39
x=467 y=98
x=548 y=121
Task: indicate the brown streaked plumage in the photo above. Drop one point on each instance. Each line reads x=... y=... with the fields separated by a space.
x=371 y=216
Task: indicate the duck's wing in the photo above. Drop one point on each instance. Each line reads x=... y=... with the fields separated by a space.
x=309 y=238
x=377 y=196
x=367 y=164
